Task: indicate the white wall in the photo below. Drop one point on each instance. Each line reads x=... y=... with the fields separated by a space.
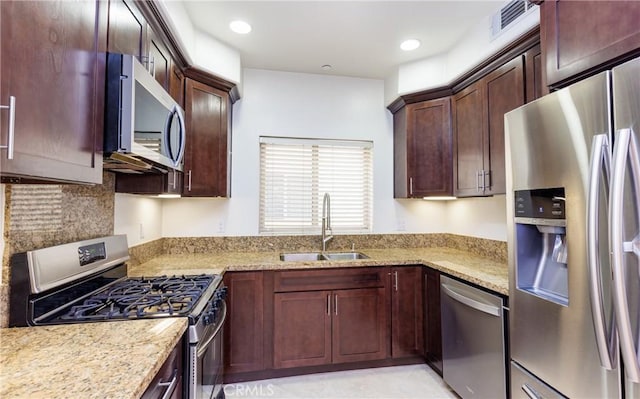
x=140 y=218
x=442 y=69
x=302 y=105
x=203 y=50
x=478 y=217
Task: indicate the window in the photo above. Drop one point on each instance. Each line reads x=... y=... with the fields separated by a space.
x=296 y=173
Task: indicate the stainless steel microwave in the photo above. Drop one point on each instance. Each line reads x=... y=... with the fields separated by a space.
x=144 y=126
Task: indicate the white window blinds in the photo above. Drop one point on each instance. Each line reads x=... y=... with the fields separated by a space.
x=295 y=174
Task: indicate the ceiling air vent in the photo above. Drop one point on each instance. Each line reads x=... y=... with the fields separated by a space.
x=509 y=15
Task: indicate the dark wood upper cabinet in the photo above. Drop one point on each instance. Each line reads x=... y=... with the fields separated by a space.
x=478 y=120
x=176 y=84
x=407 y=336
x=127 y=29
x=208 y=121
x=53 y=63
x=150 y=184
x=582 y=37
x=468 y=138
x=535 y=84
x=423 y=150
x=505 y=92
x=159 y=59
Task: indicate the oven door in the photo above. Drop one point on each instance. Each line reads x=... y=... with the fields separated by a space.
x=205 y=358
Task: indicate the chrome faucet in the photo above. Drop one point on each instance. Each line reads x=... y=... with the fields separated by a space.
x=326 y=221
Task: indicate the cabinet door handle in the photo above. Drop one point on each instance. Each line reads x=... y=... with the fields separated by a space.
x=411 y=186
x=189 y=178
x=12 y=126
x=174 y=179
x=336 y=300
x=486 y=180
x=152 y=66
x=478 y=183
x=395 y=280
x=328 y=305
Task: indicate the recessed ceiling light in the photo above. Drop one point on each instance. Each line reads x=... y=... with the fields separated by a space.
x=240 y=27
x=326 y=67
x=410 y=44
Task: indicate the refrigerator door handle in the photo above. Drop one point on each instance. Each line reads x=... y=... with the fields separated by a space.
x=600 y=162
x=625 y=146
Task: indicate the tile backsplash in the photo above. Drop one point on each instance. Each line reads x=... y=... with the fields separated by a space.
x=42 y=215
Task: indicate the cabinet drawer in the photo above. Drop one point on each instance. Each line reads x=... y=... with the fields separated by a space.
x=328 y=279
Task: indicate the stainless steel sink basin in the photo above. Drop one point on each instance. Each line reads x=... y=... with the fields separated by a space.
x=313 y=256
x=345 y=255
x=301 y=257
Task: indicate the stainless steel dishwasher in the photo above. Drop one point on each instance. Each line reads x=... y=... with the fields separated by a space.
x=473 y=340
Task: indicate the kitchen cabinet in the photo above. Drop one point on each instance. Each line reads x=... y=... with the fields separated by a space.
x=159 y=59
x=581 y=37
x=150 y=184
x=423 y=150
x=127 y=29
x=478 y=120
x=244 y=327
x=432 y=321
x=208 y=122
x=176 y=84
x=54 y=68
x=168 y=382
x=329 y=316
x=407 y=337
x=535 y=85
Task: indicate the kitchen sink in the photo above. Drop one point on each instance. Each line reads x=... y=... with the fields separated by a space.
x=301 y=257
x=345 y=255
x=313 y=256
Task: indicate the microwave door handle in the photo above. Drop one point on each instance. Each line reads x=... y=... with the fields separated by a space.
x=625 y=146
x=599 y=162
x=183 y=134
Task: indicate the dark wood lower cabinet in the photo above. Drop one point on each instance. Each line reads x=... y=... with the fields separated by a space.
x=407 y=337
x=359 y=325
x=172 y=369
x=322 y=327
x=292 y=322
x=432 y=323
x=244 y=327
x=302 y=329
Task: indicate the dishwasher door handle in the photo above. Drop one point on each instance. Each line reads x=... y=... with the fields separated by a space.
x=472 y=303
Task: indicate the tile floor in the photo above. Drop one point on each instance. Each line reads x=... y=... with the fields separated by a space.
x=400 y=382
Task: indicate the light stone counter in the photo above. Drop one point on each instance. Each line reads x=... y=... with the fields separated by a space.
x=87 y=360
x=485 y=272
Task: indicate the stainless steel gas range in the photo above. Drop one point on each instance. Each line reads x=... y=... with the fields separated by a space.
x=87 y=281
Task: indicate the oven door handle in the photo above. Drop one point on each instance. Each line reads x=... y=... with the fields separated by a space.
x=202 y=348
x=171 y=385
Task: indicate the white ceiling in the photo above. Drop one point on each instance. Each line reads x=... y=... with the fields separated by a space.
x=358 y=38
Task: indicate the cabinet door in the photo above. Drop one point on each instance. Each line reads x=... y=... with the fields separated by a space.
x=207 y=121
x=159 y=59
x=176 y=84
x=302 y=329
x=505 y=92
x=535 y=84
x=432 y=323
x=469 y=109
x=127 y=29
x=359 y=325
x=581 y=35
x=429 y=152
x=244 y=327
x=407 y=337
x=151 y=184
x=53 y=63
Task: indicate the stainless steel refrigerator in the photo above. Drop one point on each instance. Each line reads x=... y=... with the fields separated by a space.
x=573 y=190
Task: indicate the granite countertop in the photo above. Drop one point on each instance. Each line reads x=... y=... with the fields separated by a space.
x=487 y=273
x=87 y=360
